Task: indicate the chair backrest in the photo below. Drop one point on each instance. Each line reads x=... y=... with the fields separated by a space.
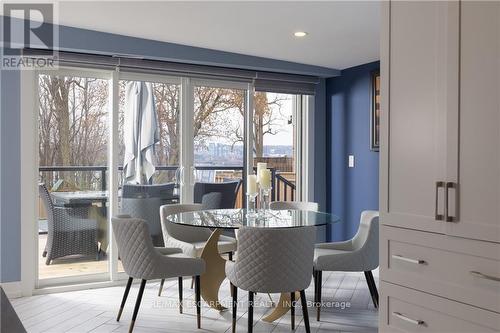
x=163 y=191
x=299 y=205
x=366 y=238
x=47 y=203
x=273 y=260
x=146 y=209
x=135 y=247
x=228 y=191
x=180 y=232
x=211 y=200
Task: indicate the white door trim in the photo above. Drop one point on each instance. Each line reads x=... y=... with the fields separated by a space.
x=29 y=181
x=308 y=144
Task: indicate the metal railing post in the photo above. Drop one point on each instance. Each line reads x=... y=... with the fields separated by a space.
x=273 y=184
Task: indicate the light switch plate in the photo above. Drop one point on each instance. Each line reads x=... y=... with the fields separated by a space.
x=351 y=161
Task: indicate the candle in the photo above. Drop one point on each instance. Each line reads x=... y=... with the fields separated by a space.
x=265 y=179
x=260 y=166
x=251 y=184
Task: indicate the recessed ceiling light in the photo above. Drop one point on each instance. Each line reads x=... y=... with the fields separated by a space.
x=300 y=34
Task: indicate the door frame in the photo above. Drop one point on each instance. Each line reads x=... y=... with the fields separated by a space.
x=29 y=283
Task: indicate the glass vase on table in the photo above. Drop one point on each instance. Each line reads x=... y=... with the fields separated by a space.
x=251 y=196
x=265 y=192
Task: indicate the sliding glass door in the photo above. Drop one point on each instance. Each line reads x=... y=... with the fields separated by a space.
x=218 y=143
x=73 y=132
x=141 y=196
x=115 y=142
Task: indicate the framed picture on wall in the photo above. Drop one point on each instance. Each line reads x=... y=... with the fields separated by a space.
x=375 y=111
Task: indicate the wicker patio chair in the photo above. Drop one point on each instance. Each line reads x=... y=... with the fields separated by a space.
x=70 y=231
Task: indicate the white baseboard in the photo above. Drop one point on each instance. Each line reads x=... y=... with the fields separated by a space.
x=12 y=289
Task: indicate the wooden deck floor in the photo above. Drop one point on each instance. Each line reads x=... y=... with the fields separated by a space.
x=95 y=310
x=69 y=266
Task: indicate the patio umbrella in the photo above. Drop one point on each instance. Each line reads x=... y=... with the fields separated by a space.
x=140 y=132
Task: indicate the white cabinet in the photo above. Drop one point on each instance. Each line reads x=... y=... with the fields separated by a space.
x=440 y=164
x=414 y=119
x=474 y=204
x=440 y=156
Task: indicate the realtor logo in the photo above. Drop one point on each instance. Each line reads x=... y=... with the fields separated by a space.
x=28 y=25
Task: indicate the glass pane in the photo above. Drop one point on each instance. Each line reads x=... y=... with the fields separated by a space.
x=275 y=140
x=218 y=139
x=143 y=199
x=167 y=149
x=73 y=148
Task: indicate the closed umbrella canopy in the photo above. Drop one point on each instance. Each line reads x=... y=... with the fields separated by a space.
x=140 y=132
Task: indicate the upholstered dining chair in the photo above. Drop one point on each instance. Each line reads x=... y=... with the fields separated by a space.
x=190 y=239
x=272 y=260
x=228 y=191
x=359 y=254
x=147 y=209
x=300 y=205
x=141 y=260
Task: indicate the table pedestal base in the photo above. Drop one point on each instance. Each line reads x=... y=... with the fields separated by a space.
x=283 y=306
x=215 y=272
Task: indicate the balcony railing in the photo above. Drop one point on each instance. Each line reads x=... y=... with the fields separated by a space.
x=283 y=188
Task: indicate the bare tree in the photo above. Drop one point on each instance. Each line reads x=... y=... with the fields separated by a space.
x=266 y=118
x=72 y=124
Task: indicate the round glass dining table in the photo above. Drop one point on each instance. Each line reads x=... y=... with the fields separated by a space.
x=219 y=220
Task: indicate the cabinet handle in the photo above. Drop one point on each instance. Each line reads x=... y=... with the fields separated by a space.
x=410 y=260
x=484 y=276
x=448 y=217
x=438 y=217
x=409 y=320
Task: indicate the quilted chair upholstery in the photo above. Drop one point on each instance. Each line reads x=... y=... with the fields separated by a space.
x=273 y=260
x=140 y=259
x=359 y=254
x=70 y=231
x=211 y=200
x=190 y=239
x=298 y=205
x=148 y=210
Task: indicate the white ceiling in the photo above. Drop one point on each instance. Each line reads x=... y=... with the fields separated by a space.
x=341 y=33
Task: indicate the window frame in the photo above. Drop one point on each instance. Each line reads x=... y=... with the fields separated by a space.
x=30 y=283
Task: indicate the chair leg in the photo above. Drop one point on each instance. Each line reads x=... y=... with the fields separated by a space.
x=235 y=305
x=161 y=286
x=192 y=282
x=198 y=300
x=292 y=309
x=180 y=294
x=372 y=287
x=124 y=299
x=319 y=279
x=250 y=311
x=305 y=313
x=315 y=281
x=137 y=305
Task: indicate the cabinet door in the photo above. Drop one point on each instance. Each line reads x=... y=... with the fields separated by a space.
x=477 y=167
x=414 y=85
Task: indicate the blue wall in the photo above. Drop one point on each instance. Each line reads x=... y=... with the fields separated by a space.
x=10 y=208
x=350 y=190
x=89 y=41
